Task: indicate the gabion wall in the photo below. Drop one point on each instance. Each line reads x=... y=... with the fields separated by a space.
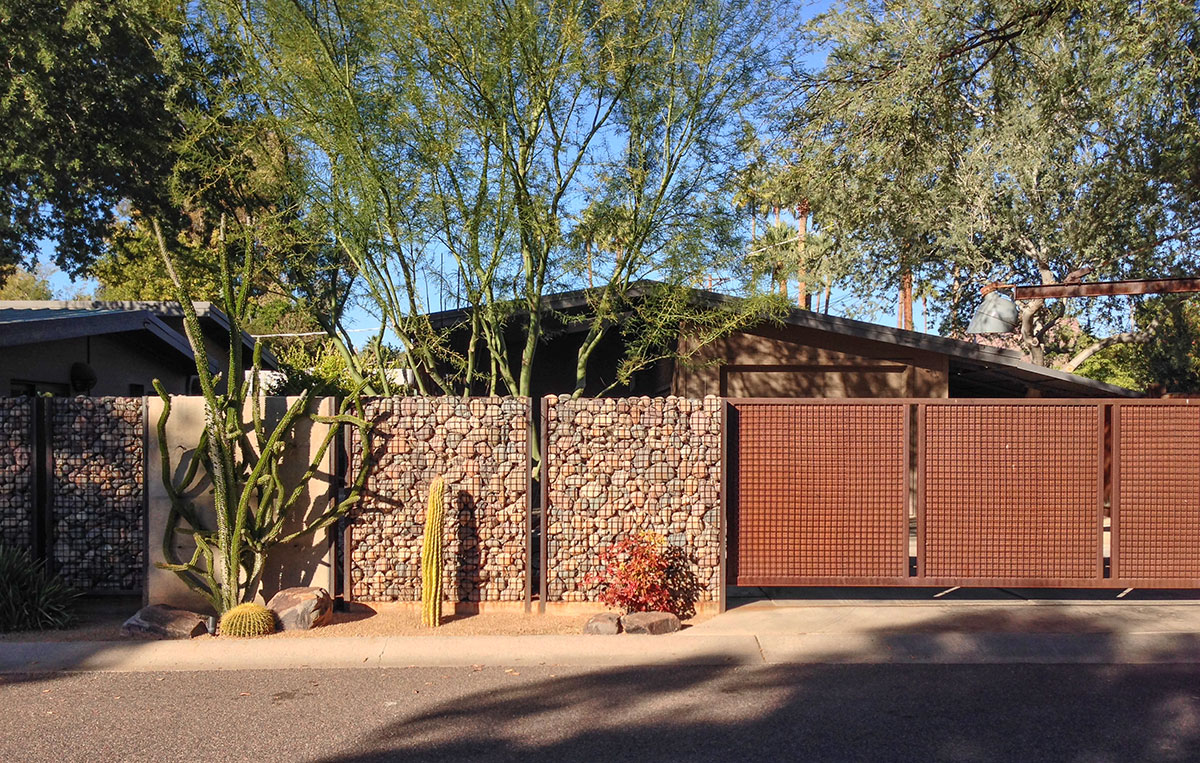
x=98 y=525
x=16 y=472
x=481 y=447
x=618 y=466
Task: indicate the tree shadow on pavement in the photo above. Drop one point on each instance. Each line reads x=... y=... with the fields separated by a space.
x=953 y=712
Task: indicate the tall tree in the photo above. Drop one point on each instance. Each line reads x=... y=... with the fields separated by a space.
x=452 y=149
x=84 y=96
x=1009 y=141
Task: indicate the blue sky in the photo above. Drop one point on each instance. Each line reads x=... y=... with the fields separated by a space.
x=361 y=322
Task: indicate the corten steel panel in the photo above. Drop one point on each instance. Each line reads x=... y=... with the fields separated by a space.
x=1012 y=492
x=821 y=492
x=1156 y=520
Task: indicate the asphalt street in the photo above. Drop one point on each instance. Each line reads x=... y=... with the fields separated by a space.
x=684 y=712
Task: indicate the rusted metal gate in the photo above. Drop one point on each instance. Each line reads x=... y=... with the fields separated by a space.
x=1022 y=493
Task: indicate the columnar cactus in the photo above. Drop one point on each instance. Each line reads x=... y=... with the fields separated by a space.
x=431 y=555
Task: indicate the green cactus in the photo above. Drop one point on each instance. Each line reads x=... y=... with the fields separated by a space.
x=247 y=620
x=431 y=556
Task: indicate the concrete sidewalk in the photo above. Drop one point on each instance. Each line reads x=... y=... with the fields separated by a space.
x=761 y=633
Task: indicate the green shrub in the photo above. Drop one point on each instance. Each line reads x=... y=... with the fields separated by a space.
x=30 y=597
x=247 y=620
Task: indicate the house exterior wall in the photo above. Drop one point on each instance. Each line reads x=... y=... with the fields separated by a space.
x=116 y=362
x=793 y=361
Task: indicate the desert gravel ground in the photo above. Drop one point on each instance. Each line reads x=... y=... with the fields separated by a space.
x=100 y=620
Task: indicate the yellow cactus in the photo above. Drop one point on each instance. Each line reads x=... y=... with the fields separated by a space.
x=431 y=555
x=247 y=620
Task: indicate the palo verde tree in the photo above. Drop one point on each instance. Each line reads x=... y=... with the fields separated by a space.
x=241 y=454
x=967 y=142
x=490 y=151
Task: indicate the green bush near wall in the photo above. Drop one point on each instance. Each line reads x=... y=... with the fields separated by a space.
x=30 y=597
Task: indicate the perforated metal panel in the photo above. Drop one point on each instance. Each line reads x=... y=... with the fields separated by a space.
x=820 y=492
x=1012 y=492
x=1156 y=517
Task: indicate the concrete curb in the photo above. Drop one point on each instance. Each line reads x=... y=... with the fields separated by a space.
x=602 y=651
x=982 y=648
x=394 y=651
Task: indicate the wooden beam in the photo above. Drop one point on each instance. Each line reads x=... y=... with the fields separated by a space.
x=1108 y=288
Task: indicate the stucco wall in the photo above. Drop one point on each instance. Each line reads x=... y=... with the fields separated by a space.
x=481 y=447
x=618 y=466
x=306 y=562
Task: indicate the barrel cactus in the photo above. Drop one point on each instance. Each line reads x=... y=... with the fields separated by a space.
x=248 y=620
x=431 y=555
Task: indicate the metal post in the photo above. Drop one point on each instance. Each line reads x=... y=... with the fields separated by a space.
x=722 y=536
x=544 y=472
x=531 y=432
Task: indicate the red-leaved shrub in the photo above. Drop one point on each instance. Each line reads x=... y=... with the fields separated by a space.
x=643 y=573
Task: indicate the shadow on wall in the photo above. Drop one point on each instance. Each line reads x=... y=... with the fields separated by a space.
x=469 y=552
x=825 y=711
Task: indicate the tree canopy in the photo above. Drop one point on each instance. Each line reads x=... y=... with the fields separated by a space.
x=85 y=102
x=492 y=151
x=972 y=141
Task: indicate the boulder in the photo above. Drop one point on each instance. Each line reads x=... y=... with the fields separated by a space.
x=603 y=624
x=302 y=609
x=160 y=621
x=652 y=623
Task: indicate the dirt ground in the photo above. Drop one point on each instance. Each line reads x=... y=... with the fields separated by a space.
x=383 y=620
x=100 y=619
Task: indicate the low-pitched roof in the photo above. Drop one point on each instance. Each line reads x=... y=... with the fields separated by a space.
x=973 y=364
x=30 y=321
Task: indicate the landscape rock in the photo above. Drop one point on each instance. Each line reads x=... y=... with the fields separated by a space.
x=160 y=621
x=652 y=623
x=301 y=608
x=481 y=448
x=626 y=465
x=603 y=624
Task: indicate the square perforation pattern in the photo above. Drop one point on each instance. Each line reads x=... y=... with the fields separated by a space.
x=821 y=491
x=1159 y=511
x=1012 y=491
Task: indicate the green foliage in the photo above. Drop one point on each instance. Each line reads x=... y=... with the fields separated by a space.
x=969 y=141
x=242 y=459
x=84 y=100
x=569 y=144
x=1169 y=362
x=642 y=573
x=431 y=555
x=31 y=598
x=1114 y=366
x=246 y=621
x=131 y=268
x=27 y=284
